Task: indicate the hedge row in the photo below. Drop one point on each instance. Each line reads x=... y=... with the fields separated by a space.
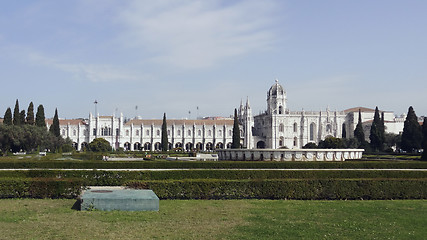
x=303 y=189
x=300 y=189
x=162 y=164
x=40 y=188
x=105 y=178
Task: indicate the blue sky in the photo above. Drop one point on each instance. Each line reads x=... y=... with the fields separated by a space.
x=175 y=56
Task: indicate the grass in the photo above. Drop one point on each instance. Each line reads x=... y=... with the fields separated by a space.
x=228 y=219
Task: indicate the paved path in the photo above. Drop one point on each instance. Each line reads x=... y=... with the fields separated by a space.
x=213 y=169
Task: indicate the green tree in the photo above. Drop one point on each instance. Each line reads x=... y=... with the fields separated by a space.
x=331 y=142
x=54 y=128
x=344 y=131
x=358 y=131
x=236 y=131
x=30 y=114
x=16 y=114
x=164 y=134
x=40 y=119
x=412 y=135
x=310 y=145
x=99 y=145
x=22 y=117
x=7 y=120
x=424 y=130
x=375 y=134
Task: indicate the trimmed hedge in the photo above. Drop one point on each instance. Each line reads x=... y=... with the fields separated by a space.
x=300 y=189
x=106 y=178
x=40 y=188
x=162 y=164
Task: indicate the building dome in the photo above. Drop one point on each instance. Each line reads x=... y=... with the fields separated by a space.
x=276 y=89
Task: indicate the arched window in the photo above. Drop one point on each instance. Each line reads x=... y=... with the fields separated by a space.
x=295 y=141
x=127 y=132
x=148 y=132
x=199 y=133
x=63 y=132
x=295 y=127
x=230 y=133
x=137 y=133
x=312 y=131
x=158 y=132
x=179 y=133
x=209 y=133
x=281 y=127
x=189 y=133
x=219 y=133
x=74 y=132
x=280 y=110
x=281 y=142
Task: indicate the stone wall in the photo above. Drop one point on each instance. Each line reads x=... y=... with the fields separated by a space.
x=289 y=154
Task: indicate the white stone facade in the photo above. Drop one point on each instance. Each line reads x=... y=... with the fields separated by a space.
x=138 y=134
x=277 y=127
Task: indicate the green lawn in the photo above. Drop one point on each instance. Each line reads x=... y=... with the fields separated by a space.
x=218 y=219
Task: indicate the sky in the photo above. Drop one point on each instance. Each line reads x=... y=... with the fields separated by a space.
x=192 y=59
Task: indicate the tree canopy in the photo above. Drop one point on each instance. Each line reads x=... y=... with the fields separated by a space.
x=16 y=114
x=164 y=134
x=99 y=145
x=377 y=132
x=30 y=114
x=236 y=131
x=412 y=135
x=54 y=128
x=7 y=120
x=40 y=119
x=424 y=131
x=358 y=132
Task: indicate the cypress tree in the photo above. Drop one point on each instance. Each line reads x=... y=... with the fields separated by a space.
x=8 y=117
x=22 y=117
x=424 y=130
x=236 y=132
x=375 y=135
x=54 y=128
x=40 y=119
x=358 y=132
x=16 y=114
x=412 y=135
x=164 y=134
x=30 y=114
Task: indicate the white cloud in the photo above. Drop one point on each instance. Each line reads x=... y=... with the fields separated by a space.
x=90 y=72
x=197 y=34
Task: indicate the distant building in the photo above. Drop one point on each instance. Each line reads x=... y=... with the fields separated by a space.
x=277 y=127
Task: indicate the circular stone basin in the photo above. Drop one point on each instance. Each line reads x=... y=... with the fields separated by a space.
x=101 y=191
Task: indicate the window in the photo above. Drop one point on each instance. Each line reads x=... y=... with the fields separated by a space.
x=295 y=127
x=179 y=133
x=127 y=132
x=209 y=133
x=295 y=141
x=312 y=131
x=74 y=132
x=281 y=127
x=148 y=132
x=280 y=110
x=158 y=132
x=230 y=133
x=189 y=133
x=220 y=133
x=94 y=131
x=63 y=132
x=169 y=132
x=199 y=133
x=117 y=132
x=137 y=133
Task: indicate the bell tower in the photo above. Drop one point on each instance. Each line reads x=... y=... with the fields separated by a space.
x=276 y=99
